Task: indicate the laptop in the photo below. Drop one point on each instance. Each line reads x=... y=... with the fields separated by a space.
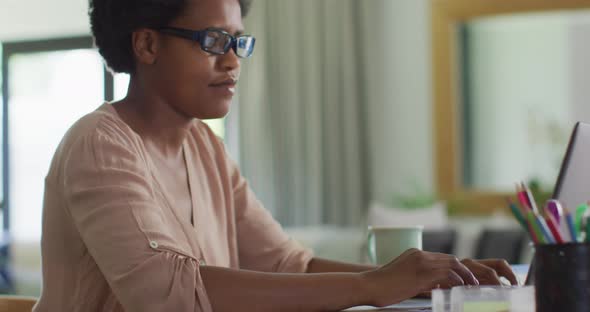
x=572 y=187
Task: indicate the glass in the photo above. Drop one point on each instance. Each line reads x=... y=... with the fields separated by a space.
x=483 y=298
x=215 y=41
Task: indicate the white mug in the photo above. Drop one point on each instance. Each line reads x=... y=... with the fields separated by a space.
x=388 y=243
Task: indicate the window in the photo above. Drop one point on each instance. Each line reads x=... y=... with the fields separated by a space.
x=47 y=85
x=47 y=92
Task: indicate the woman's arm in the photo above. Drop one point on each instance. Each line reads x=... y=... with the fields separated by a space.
x=413 y=272
x=319 y=265
x=488 y=271
x=233 y=290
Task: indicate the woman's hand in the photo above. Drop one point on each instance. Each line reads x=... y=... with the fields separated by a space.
x=489 y=271
x=414 y=272
x=417 y=272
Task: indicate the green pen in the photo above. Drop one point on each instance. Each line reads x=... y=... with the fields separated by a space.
x=535 y=226
x=586 y=226
x=579 y=215
x=517 y=214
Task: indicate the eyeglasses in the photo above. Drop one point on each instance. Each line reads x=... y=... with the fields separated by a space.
x=215 y=41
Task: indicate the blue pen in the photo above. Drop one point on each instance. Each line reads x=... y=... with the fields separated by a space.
x=545 y=229
x=572 y=227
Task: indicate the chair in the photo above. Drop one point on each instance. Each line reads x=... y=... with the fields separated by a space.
x=6 y=279
x=501 y=244
x=16 y=303
x=442 y=241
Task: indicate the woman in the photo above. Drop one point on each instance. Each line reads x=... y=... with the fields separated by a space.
x=144 y=211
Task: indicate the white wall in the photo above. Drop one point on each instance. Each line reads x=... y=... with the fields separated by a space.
x=38 y=19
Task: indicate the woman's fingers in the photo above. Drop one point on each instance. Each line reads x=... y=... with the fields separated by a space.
x=445 y=278
x=463 y=271
x=448 y=271
x=502 y=268
x=449 y=261
x=485 y=274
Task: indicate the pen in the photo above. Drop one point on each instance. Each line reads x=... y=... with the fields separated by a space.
x=579 y=214
x=517 y=213
x=571 y=226
x=536 y=231
x=532 y=233
x=554 y=229
x=530 y=198
x=554 y=209
x=555 y=220
x=544 y=229
x=565 y=231
x=557 y=211
x=522 y=198
x=585 y=229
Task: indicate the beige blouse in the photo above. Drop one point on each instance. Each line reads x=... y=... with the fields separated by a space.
x=114 y=241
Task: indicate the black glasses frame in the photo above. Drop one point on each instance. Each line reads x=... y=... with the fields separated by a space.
x=200 y=36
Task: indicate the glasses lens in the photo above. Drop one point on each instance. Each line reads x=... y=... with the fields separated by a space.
x=245 y=46
x=216 y=42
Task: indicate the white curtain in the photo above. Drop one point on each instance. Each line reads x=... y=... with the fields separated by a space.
x=302 y=121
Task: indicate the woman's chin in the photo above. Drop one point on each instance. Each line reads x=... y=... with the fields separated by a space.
x=213 y=114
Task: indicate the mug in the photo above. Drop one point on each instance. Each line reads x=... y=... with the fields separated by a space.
x=388 y=243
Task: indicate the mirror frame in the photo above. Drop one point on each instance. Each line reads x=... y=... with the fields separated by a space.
x=446 y=15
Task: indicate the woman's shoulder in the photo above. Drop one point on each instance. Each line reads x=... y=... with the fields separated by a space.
x=101 y=123
x=101 y=127
x=97 y=133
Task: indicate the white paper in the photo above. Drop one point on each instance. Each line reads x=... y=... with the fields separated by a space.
x=408 y=305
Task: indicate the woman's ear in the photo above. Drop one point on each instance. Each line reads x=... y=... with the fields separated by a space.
x=144 y=43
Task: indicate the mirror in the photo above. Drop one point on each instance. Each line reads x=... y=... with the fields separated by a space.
x=524 y=85
x=510 y=80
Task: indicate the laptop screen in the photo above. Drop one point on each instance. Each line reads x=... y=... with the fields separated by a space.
x=572 y=187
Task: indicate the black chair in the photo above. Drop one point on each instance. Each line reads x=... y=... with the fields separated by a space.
x=442 y=241
x=501 y=244
x=6 y=279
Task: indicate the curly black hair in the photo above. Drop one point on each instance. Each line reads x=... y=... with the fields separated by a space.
x=113 y=21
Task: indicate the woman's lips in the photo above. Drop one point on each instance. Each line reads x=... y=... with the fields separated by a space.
x=226 y=87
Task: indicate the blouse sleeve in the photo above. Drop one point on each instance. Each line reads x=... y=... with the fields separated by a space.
x=262 y=243
x=110 y=200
